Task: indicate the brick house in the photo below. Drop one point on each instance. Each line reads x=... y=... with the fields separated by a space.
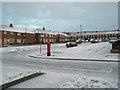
x=46 y=36
x=88 y=35
x=61 y=37
x=12 y=35
x=116 y=47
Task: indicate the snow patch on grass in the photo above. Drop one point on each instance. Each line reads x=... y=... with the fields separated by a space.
x=97 y=51
x=14 y=76
x=90 y=82
x=11 y=49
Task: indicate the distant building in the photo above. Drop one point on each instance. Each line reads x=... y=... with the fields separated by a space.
x=10 y=35
x=88 y=35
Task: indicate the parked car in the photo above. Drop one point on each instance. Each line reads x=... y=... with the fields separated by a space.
x=79 y=41
x=86 y=40
x=100 y=40
x=83 y=41
x=112 y=40
x=71 y=44
x=94 y=41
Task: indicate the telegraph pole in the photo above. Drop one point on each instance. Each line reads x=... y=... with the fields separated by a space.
x=114 y=27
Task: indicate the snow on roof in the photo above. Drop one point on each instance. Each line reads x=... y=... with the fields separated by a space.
x=97 y=33
x=14 y=29
x=43 y=31
x=49 y=32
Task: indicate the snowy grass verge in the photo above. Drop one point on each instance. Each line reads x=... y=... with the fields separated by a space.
x=90 y=82
x=14 y=76
x=24 y=48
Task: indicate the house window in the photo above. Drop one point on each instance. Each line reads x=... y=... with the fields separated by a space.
x=12 y=40
x=18 y=34
x=0 y=41
x=42 y=35
x=11 y=32
x=18 y=40
x=44 y=40
x=5 y=41
x=23 y=40
x=5 y=32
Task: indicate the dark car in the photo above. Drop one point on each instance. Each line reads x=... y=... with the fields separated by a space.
x=79 y=41
x=94 y=41
x=112 y=40
x=71 y=44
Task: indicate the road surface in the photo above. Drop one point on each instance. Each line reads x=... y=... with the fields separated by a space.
x=57 y=71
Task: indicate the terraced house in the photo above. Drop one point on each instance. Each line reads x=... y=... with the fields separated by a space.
x=88 y=35
x=20 y=36
x=12 y=36
x=45 y=36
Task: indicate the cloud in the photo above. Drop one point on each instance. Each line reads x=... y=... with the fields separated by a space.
x=62 y=16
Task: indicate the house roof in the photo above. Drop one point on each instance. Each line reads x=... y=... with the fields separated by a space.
x=15 y=29
x=97 y=33
x=24 y=30
x=49 y=32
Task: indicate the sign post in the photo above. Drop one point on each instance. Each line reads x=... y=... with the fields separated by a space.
x=40 y=46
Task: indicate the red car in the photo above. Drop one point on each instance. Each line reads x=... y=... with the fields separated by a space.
x=71 y=44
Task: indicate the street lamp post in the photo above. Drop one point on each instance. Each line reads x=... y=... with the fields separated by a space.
x=81 y=31
x=114 y=30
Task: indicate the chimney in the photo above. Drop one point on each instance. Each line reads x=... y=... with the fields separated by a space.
x=11 y=25
x=43 y=28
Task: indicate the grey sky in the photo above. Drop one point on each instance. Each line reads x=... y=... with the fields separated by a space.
x=61 y=16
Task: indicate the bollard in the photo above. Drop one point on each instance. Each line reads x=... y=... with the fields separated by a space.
x=48 y=49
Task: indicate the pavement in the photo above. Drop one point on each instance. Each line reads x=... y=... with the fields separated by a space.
x=33 y=55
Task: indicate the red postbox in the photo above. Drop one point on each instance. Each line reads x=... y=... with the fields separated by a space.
x=48 y=49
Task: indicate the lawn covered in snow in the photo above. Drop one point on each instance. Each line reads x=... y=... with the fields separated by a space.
x=11 y=73
x=90 y=82
x=16 y=75
x=24 y=48
x=96 y=51
x=90 y=51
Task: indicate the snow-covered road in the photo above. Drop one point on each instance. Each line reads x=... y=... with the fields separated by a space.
x=60 y=71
